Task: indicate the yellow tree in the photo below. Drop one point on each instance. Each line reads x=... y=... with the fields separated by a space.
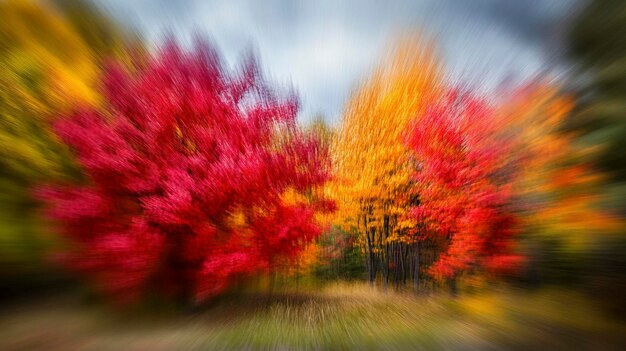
x=372 y=165
x=49 y=65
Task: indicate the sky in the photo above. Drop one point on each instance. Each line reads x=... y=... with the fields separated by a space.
x=324 y=48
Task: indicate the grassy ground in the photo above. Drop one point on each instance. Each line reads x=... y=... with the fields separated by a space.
x=335 y=317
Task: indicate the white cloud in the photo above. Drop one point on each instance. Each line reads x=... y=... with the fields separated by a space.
x=324 y=47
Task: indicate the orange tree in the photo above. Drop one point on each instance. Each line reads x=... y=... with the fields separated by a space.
x=373 y=166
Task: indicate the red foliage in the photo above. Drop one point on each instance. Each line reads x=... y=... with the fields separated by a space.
x=181 y=149
x=464 y=181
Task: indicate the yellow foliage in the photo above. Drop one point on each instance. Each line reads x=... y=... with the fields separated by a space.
x=371 y=163
x=49 y=44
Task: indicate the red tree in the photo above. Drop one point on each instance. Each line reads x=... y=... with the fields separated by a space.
x=186 y=169
x=464 y=176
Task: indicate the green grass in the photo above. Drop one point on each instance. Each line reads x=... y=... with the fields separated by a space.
x=336 y=317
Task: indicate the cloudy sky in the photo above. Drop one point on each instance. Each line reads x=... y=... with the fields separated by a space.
x=324 y=47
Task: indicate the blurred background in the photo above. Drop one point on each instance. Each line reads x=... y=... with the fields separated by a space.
x=410 y=175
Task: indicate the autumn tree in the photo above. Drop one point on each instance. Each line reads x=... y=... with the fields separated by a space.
x=570 y=231
x=312 y=255
x=372 y=164
x=48 y=66
x=187 y=167
x=463 y=175
x=557 y=188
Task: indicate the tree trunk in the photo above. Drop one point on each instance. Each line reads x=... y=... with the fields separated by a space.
x=386 y=243
x=370 y=253
x=453 y=286
x=416 y=272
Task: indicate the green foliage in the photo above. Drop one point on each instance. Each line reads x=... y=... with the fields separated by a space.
x=343 y=258
x=598 y=48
